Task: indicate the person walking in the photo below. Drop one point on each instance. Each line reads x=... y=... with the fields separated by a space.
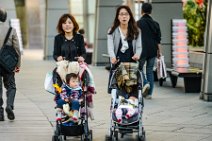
x=151 y=37
x=8 y=79
x=123 y=38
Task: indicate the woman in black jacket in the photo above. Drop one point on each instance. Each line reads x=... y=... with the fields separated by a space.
x=68 y=44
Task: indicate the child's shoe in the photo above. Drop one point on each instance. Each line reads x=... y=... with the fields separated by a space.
x=130 y=113
x=75 y=116
x=66 y=108
x=119 y=113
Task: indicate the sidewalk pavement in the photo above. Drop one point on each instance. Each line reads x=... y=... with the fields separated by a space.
x=171 y=115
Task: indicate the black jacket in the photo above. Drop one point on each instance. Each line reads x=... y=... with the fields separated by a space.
x=150 y=35
x=69 y=49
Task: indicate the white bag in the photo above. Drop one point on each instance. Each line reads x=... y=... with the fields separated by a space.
x=161 y=68
x=48 y=83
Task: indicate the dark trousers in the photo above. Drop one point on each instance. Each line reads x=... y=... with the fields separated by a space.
x=8 y=79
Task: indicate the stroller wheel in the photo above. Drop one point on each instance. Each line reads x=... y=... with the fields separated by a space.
x=110 y=136
x=60 y=138
x=143 y=137
x=116 y=134
x=54 y=138
x=88 y=137
x=91 y=135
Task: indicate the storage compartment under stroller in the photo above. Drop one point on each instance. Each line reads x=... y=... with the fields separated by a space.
x=73 y=130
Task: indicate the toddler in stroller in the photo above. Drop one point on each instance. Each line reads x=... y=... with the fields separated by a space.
x=73 y=100
x=70 y=98
x=127 y=102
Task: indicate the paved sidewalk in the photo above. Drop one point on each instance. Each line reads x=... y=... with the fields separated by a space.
x=171 y=115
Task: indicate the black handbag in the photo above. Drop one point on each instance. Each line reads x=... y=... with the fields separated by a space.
x=8 y=55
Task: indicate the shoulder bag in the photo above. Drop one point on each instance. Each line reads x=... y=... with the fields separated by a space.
x=8 y=55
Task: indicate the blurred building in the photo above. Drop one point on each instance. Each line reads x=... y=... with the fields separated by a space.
x=38 y=20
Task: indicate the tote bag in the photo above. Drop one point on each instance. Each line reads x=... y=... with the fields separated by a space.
x=161 y=68
x=48 y=83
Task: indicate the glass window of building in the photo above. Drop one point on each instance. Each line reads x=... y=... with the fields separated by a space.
x=77 y=10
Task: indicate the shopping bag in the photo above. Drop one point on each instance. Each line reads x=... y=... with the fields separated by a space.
x=48 y=83
x=161 y=68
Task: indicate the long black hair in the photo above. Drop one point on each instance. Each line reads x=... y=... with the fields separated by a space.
x=132 y=25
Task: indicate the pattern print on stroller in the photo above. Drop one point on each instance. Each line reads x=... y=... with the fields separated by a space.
x=80 y=128
x=126 y=80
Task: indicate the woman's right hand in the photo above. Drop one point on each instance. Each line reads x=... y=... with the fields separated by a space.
x=114 y=60
x=59 y=58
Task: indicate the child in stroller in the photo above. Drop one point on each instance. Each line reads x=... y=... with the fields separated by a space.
x=127 y=101
x=71 y=96
x=73 y=100
x=127 y=108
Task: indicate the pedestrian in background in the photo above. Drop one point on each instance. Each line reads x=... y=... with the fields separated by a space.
x=151 y=37
x=88 y=47
x=123 y=38
x=82 y=32
x=8 y=79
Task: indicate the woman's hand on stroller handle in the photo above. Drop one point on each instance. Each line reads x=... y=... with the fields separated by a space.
x=136 y=57
x=116 y=62
x=60 y=58
x=80 y=59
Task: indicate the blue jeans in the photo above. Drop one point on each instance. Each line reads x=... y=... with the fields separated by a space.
x=149 y=72
x=75 y=105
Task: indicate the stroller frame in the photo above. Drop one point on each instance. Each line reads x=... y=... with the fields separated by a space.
x=80 y=129
x=115 y=128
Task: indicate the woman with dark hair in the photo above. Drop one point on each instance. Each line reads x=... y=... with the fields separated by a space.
x=124 y=45
x=124 y=38
x=68 y=44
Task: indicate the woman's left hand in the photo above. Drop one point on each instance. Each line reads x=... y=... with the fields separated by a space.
x=135 y=57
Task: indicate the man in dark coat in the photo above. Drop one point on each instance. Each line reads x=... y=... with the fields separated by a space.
x=151 y=37
x=8 y=79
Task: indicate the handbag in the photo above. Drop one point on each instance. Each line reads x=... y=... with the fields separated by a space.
x=161 y=68
x=48 y=83
x=8 y=55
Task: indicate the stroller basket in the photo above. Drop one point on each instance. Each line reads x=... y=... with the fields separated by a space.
x=74 y=130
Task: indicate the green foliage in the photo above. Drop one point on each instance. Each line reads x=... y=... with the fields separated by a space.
x=195 y=14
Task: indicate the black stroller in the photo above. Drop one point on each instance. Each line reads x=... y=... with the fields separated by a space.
x=62 y=130
x=134 y=124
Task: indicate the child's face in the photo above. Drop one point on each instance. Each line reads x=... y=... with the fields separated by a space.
x=73 y=83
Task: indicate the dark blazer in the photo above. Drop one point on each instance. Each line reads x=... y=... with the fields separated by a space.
x=151 y=36
x=69 y=48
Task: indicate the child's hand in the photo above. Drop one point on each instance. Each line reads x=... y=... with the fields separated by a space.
x=66 y=100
